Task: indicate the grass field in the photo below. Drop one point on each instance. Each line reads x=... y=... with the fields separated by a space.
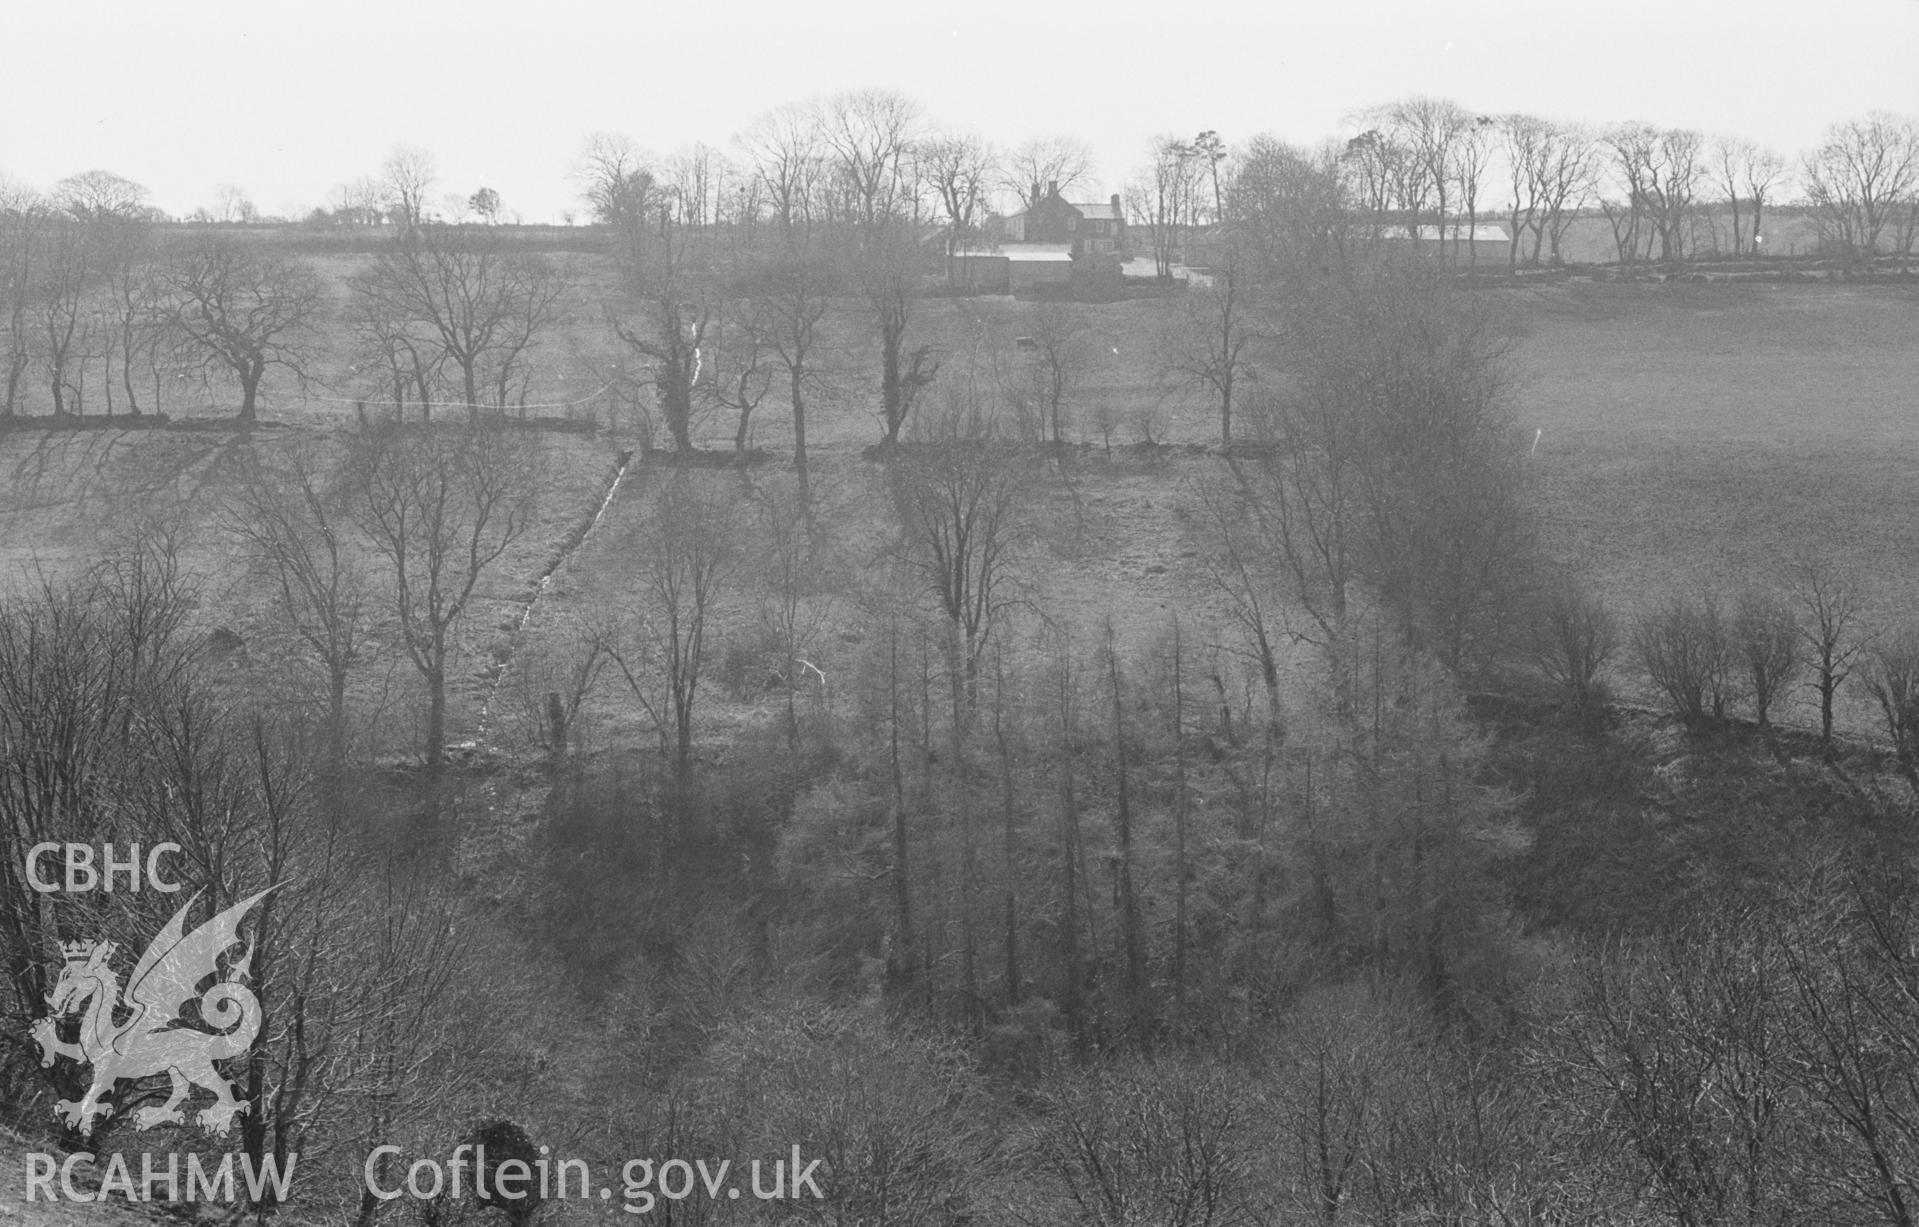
x=1702 y=439
x=1715 y=434
x=1692 y=439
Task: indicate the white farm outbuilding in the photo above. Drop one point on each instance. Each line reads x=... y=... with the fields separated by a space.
x=1036 y=264
x=1486 y=243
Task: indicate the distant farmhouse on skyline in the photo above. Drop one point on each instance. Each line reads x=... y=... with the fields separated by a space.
x=1051 y=242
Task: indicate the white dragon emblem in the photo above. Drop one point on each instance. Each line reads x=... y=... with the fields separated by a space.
x=155 y=1039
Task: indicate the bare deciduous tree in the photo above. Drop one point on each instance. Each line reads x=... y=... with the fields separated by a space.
x=959 y=168
x=744 y=367
x=1682 y=1044
x=292 y=521
x=1684 y=649
x=486 y=205
x=231 y=204
x=67 y=330
x=1161 y=199
x=871 y=138
x=1660 y=170
x=1747 y=172
x=408 y=175
x=361 y=202
x=1289 y=210
x=396 y=357
x=788 y=155
x=799 y=601
x=961 y=501
x=1861 y=175
x=97 y=195
x=1832 y=603
x=1152 y=1141
x=890 y=279
x=1240 y=530
x=1550 y=168
x=795 y=295
x=616 y=178
x=1766 y=643
x=441 y=507
x=24 y=222
x=246 y=311
x=1573 y=638
x=688 y=553
x=1893 y=680
x=1043 y=161
x=1435 y=152
x=1061 y=355
x=1209 y=342
x=135 y=319
x=466 y=301
x=696 y=184
x=1391 y=461
x=677 y=310
x=1472 y=158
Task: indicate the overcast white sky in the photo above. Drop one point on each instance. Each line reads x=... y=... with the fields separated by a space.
x=290 y=100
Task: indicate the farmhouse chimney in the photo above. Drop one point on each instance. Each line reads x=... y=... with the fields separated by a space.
x=1036 y=191
x=1052 y=187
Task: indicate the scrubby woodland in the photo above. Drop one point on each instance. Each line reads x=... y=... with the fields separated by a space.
x=640 y=785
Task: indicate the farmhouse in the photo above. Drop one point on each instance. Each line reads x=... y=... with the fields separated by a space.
x=1052 y=242
x=1089 y=228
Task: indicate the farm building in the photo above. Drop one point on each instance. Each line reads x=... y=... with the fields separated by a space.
x=1037 y=264
x=1475 y=244
x=978 y=272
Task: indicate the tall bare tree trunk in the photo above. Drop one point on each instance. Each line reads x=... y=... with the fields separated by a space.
x=1180 y=868
x=1123 y=822
x=969 y=836
x=903 y=969
x=1009 y=843
x=798 y=377
x=1071 y=999
x=436 y=712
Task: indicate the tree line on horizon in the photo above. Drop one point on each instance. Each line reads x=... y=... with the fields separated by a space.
x=1425 y=159
x=727 y=266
